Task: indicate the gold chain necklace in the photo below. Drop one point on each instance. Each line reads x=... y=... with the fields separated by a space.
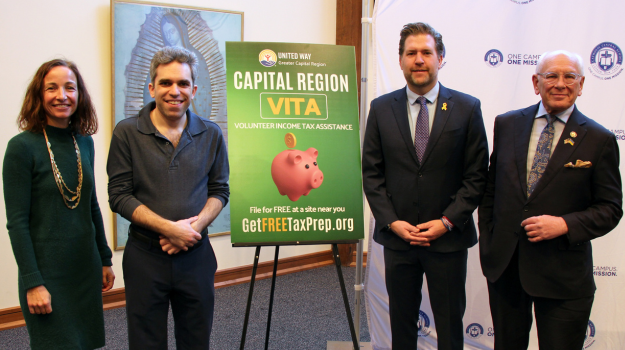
x=59 y=179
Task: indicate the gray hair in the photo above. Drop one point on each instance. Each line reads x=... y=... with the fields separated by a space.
x=575 y=58
x=169 y=54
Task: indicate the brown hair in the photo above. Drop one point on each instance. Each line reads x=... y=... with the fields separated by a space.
x=169 y=54
x=421 y=28
x=32 y=117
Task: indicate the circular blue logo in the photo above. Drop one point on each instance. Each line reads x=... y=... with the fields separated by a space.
x=474 y=330
x=589 y=339
x=493 y=58
x=424 y=324
x=606 y=59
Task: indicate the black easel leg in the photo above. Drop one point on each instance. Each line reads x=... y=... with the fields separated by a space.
x=337 y=261
x=273 y=287
x=249 y=297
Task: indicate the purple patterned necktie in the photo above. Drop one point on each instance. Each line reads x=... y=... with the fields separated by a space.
x=422 y=129
x=542 y=155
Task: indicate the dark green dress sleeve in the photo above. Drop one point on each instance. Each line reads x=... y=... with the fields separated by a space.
x=17 y=181
x=96 y=217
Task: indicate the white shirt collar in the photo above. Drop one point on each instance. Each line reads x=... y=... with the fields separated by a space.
x=562 y=116
x=431 y=95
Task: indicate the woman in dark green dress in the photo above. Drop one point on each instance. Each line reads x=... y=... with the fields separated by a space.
x=53 y=216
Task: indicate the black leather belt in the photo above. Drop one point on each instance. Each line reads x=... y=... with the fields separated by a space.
x=143 y=238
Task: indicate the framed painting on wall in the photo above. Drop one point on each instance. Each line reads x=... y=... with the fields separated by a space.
x=138 y=30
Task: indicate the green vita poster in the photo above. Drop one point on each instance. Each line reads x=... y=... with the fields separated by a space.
x=293 y=143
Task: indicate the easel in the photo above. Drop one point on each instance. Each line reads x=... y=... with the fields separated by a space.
x=337 y=262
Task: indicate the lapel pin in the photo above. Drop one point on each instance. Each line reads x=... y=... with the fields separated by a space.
x=444 y=106
x=573 y=134
x=569 y=141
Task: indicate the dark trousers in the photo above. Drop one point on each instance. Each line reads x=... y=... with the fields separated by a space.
x=446 y=274
x=153 y=279
x=561 y=323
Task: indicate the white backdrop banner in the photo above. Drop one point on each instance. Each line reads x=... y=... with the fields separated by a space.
x=491 y=51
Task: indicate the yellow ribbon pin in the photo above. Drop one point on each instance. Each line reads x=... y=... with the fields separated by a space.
x=569 y=141
x=444 y=106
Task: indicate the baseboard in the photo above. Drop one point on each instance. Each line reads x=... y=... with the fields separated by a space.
x=13 y=318
x=243 y=274
x=364 y=259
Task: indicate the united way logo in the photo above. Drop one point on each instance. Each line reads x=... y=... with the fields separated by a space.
x=424 y=324
x=590 y=335
x=267 y=58
x=493 y=58
x=475 y=331
x=606 y=60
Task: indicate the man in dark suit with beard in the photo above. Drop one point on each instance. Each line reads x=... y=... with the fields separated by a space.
x=425 y=159
x=553 y=185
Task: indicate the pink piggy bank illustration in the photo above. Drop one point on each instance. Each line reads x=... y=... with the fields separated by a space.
x=295 y=173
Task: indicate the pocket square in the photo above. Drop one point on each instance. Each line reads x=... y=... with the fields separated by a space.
x=578 y=164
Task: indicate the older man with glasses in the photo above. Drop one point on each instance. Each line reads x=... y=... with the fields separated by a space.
x=553 y=186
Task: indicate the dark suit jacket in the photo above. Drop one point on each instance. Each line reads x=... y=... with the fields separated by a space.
x=450 y=181
x=589 y=200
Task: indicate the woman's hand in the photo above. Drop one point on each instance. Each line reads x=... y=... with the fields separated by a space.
x=39 y=300
x=108 y=278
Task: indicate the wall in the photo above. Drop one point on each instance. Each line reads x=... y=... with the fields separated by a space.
x=36 y=31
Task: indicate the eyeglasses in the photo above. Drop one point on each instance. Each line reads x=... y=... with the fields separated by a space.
x=552 y=78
